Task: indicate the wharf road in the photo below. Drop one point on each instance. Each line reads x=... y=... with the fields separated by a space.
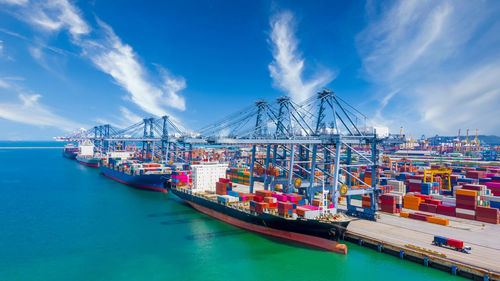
x=483 y=238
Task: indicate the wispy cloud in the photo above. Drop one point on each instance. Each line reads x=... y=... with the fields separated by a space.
x=419 y=47
x=288 y=65
x=152 y=93
x=1 y=47
x=129 y=116
x=30 y=111
x=3 y=84
x=14 y=2
x=471 y=101
x=120 y=61
x=55 y=15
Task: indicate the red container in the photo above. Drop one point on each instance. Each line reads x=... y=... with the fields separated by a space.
x=485 y=212
x=257 y=198
x=465 y=216
x=488 y=220
x=418 y=216
x=387 y=202
x=445 y=210
x=423 y=197
x=433 y=201
x=388 y=198
x=467 y=206
x=224 y=180
x=455 y=243
x=476 y=187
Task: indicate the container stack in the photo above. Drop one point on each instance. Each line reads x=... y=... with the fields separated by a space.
x=388 y=203
x=414 y=182
x=494 y=187
x=271 y=201
x=222 y=186
x=397 y=186
x=181 y=178
x=286 y=208
x=489 y=215
x=446 y=210
x=411 y=202
x=466 y=203
x=366 y=201
x=239 y=175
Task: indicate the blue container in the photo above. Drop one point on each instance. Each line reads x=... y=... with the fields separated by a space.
x=440 y=239
x=495 y=204
x=232 y=193
x=426 y=188
x=466 y=180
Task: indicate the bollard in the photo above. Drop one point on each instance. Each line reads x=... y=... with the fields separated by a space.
x=379 y=247
x=401 y=254
x=426 y=261
x=454 y=269
x=360 y=241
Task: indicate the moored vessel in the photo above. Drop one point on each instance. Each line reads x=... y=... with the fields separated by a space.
x=147 y=176
x=87 y=155
x=70 y=151
x=271 y=213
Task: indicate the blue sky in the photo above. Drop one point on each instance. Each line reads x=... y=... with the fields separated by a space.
x=430 y=66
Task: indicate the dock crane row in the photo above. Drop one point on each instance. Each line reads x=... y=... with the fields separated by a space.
x=309 y=147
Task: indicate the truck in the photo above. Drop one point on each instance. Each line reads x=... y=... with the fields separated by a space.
x=454 y=244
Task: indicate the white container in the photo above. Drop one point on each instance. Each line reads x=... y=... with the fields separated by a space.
x=465 y=211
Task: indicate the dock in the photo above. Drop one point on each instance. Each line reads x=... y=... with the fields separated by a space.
x=411 y=240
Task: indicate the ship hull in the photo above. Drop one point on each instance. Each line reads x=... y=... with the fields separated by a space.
x=145 y=182
x=311 y=232
x=89 y=162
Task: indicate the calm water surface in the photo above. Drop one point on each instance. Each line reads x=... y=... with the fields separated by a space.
x=63 y=221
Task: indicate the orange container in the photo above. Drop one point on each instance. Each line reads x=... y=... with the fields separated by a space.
x=466 y=192
x=404 y=214
x=438 y=221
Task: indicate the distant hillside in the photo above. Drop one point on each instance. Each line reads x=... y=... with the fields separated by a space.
x=491 y=140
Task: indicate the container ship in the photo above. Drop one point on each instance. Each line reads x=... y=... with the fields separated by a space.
x=70 y=151
x=267 y=212
x=86 y=155
x=147 y=176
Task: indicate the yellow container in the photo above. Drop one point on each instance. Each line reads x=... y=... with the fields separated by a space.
x=404 y=214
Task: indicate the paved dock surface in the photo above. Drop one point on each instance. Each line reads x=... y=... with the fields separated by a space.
x=485 y=241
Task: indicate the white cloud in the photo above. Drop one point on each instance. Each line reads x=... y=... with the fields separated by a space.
x=288 y=65
x=129 y=116
x=440 y=58
x=119 y=60
x=3 y=84
x=31 y=111
x=36 y=53
x=153 y=94
x=55 y=15
x=14 y=2
x=471 y=101
x=403 y=36
x=1 y=46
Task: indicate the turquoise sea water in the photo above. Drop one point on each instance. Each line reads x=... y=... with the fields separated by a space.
x=60 y=220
